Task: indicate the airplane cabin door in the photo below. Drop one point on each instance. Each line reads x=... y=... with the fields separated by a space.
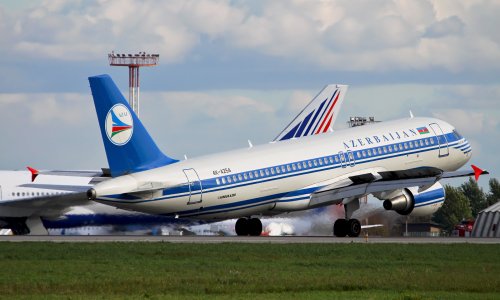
x=194 y=184
x=342 y=159
x=441 y=140
x=350 y=156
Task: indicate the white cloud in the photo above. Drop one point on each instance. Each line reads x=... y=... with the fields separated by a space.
x=469 y=123
x=346 y=35
x=45 y=108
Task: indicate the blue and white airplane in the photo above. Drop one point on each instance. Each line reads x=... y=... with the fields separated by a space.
x=33 y=202
x=399 y=162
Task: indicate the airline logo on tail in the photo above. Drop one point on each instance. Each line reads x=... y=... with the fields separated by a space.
x=119 y=125
x=317 y=121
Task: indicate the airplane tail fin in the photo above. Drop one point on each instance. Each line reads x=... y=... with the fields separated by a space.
x=318 y=116
x=129 y=147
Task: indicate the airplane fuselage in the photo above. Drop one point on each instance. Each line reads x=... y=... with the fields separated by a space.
x=280 y=177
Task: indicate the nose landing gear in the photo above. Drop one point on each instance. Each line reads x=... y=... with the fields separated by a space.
x=248 y=226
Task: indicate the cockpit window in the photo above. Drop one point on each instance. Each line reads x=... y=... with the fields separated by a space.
x=457 y=135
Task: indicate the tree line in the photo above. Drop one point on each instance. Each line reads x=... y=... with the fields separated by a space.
x=465 y=202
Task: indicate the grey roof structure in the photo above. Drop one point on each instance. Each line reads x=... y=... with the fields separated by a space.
x=488 y=222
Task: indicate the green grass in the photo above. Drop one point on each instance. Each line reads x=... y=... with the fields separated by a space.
x=258 y=271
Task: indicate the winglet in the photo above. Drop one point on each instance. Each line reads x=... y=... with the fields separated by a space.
x=34 y=173
x=478 y=172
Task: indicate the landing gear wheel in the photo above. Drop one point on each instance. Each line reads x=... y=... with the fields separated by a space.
x=353 y=228
x=241 y=227
x=340 y=228
x=254 y=227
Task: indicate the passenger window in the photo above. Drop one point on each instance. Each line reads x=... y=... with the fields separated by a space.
x=299 y=166
x=411 y=144
x=283 y=169
x=261 y=173
x=228 y=179
x=304 y=165
x=385 y=149
x=331 y=160
x=288 y=168
x=379 y=150
x=369 y=152
x=426 y=142
x=358 y=154
x=256 y=174
x=432 y=141
x=250 y=174
x=272 y=171
x=325 y=160
x=267 y=172
x=400 y=147
x=23 y=194
x=421 y=143
x=13 y=194
x=315 y=163
x=406 y=145
x=309 y=163
x=364 y=153
x=217 y=181
x=294 y=167
x=234 y=178
x=278 y=170
x=320 y=161
x=239 y=177
x=223 y=180
x=245 y=176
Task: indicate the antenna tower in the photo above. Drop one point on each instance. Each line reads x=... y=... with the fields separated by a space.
x=133 y=62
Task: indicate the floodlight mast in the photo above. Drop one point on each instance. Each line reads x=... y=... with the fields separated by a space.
x=133 y=62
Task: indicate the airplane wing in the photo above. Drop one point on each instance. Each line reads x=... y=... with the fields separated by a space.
x=373 y=182
x=318 y=116
x=54 y=190
x=50 y=203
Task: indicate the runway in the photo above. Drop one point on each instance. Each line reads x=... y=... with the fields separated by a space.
x=237 y=239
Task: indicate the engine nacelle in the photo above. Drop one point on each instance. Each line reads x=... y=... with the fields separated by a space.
x=402 y=204
x=410 y=201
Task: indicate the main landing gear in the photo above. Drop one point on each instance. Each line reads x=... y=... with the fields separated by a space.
x=248 y=226
x=348 y=226
x=343 y=227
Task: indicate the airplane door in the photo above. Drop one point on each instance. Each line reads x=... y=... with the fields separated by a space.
x=195 y=188
x=342 y=159
x=441 y=139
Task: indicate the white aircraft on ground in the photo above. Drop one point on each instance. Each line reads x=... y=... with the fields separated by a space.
x=399 y=162
x=32 y=201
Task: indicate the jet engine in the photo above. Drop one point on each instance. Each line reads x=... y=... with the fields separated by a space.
x=411 y=201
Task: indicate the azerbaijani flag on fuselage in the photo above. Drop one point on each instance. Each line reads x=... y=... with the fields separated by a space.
x=423 y=130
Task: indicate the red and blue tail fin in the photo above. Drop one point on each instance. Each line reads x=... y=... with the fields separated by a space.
x=129 y=147
x=318 y=116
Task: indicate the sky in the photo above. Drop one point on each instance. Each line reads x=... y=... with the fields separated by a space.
x=232 y=71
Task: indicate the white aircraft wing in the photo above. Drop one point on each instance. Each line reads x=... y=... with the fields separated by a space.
x=44 y=204
x=50 y=191
x=318 y=116
x=368 y=183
